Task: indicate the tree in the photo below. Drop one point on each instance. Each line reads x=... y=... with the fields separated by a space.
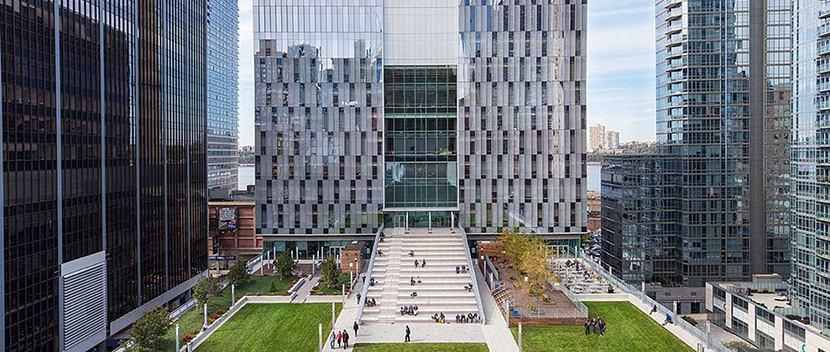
x=527 y=255
x=149 y=330
x=238 y=274
x=285 y=264
x=330 y=275
x=204 y=291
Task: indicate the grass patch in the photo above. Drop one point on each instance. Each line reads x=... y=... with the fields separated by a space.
x=272 y=327
x=192 y=321
x=627 y=329
x=421 y=347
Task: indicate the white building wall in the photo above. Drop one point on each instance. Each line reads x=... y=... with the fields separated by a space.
x=423 y=32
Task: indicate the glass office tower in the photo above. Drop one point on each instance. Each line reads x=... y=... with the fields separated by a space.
x=223 y=93
x=103 y=166
x=810 y=282
x=723 y=111
x=442 y=113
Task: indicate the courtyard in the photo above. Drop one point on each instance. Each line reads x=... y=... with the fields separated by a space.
x=272 y=327
x=628 y=329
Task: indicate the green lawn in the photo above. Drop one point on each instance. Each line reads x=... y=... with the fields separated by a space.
x=272 y=327
x=627 y=329
x=421 y=347
x=192 y=320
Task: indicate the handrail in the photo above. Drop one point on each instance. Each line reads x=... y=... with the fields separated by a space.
x=368 y=276
x=251 y=263
x=472 y=274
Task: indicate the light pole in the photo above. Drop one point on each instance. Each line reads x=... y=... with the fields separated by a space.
x=177 y=337
x=320 y=337
x=520 y=336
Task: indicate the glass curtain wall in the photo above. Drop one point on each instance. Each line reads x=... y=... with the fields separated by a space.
x=421 y=154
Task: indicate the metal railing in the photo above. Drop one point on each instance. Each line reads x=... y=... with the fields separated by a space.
x=365 y=290
x=575 y=301
x=472 y=274
x=648 y=301
x=253 y=262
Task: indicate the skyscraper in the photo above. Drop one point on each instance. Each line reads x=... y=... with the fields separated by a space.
x=596 y=137
x=726 y=133
x=435 y=113
x=612 y=140
x=103 y=166
x=222 y=93
x=810 y=166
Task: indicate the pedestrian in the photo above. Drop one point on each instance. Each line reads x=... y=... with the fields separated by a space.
x=594 y=325
x=601 y=327
x=587 y=327
x=423 y=263
x=355 y=327
x=406 y=339
x=345 y=339
x=416 y=263
x=358 y=298
x=333 y=337
x=339 y=338
x=653 y=310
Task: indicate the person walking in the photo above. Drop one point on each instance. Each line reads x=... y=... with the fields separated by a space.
x=594 y=325
x=333 y=337
x=587 y=327
x=358 y=298
x=345 y=339
x=339 y=338
x=355 y=327
x=406 y=338
x=601 y=327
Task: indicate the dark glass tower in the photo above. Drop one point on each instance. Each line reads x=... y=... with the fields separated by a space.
x=723 y=117
x=103 y=165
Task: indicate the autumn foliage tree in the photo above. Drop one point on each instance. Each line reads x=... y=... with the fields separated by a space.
x=528 y=255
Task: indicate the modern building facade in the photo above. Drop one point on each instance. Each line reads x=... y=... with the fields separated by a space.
x=103 y=166
x=222 y=93
x=597 y=138
x=726 y=134
x=810 y=167
x=431 y=113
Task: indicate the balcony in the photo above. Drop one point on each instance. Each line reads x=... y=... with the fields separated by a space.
x=823 y=67
x=674 y=40
x=823 y=14
x=674 y=13
x=673 y=3
x=823 y=104
x=673 y=28
x=823 y=47
x=823 y=86
x=824 y=29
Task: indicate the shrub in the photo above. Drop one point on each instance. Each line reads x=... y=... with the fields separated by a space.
x=214 y=316
x=148 y=331
x=689 y=320
x=187 y=337
x=238 y=274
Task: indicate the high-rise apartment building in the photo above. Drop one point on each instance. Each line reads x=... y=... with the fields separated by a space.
x=222 y=93
x=429 y=113
x=612 y=140
x=810 y=280
x=596 y=138
x=726 y=134
x=103 y=166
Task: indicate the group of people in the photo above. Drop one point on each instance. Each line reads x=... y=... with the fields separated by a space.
x=439 y=318
x=409 y=310
x=466 y=318
x=412 y=281
x=370 y=302
x=595 y=324
x=423 y=263
x=342 y=338
x=461 y=270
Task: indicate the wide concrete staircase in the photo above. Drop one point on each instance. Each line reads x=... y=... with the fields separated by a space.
x=440 y=290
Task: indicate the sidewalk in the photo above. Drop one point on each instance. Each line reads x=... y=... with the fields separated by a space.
x=496 y=333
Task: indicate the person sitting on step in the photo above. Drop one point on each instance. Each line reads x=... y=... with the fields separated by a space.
x=457 y=269
x=411 y=253
x=411 y=281
x=423 y=263
x=414 y=294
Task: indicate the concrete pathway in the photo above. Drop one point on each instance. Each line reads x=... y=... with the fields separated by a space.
x=496 y=333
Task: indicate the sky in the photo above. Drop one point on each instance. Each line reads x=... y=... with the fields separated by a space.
x=621 y=76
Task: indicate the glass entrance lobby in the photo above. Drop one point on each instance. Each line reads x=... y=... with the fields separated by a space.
x=421 y=219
